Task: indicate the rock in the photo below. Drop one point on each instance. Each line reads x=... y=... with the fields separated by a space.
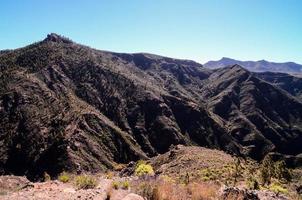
x=299 y=189
x=11 y=183
x=128 y=170
x=132 y=196
x=69 y=190
x=230 y=193
x=268 y=195
x=52 y=37
x=236 y=193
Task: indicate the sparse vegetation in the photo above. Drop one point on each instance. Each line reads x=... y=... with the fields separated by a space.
x=238 y=170
x=252 y=183
x=64 y=177
x=277 y=170
x=144 y=169
x=85 y=182
x=281 y=172
x=115 y=185
x=165 y=190
x=146 y=189
x=109 y=175
x=46 y=177
x=266 y=170
x=278 y=188
x=125 y=185
x=203 y=191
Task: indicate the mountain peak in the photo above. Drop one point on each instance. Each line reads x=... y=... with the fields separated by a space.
x=225 y=58
x=53 y=37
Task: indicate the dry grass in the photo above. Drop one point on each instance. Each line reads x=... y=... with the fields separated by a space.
x=166 y=190
x=161 y=189
x=85 y=182
x=203 y=191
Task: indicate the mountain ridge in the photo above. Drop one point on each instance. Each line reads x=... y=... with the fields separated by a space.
x=257 y=66
x=66 y=106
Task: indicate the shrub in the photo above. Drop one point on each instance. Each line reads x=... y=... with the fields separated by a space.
x=64 y=177
x=277 y=188
x=252 y=183
x=277 y=170
x=85 y=182
x=109 y=175
x=266 y=170
x=281 y=171
x=238 y=170
x=140 y=162
x=115 y=185
x=147 y=190
x=208 y=174
x=125 y=185
x=46 y=176
x=144 y=169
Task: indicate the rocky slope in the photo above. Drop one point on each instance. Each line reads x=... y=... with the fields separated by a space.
x=68 y=106
x=257 y=66
x=290 y=83
x=259 y=116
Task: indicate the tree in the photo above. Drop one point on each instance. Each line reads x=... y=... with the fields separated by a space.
x=267 y=170
x=281 y=171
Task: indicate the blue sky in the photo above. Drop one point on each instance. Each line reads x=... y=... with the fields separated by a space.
x=189 y=29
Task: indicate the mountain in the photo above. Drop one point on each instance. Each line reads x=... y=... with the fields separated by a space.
x=257 y=66
x=65 y=106
x=261 y=116
x=291 y=84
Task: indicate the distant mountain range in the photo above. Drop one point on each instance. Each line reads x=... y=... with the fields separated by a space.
x=257 y=66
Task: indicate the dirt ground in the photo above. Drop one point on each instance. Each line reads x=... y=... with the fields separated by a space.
x=19 y=188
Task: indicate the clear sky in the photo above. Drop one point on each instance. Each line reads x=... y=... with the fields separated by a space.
x=201 y=30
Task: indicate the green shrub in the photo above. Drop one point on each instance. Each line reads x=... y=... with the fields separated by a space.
x=125 y=185
x=144 y=169
x=270 y=169
x=115 y=185
x=85 y=182
x=208 y=174
x=64 y=177
x=252 y=183
x=140 y=162
x=277 y=188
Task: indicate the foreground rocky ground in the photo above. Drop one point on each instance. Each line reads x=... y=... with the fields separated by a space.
x=19 y=188
x=182 y=173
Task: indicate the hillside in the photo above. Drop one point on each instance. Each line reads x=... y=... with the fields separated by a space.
x=290 y=83
x=65 y=106
x=257 y=66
